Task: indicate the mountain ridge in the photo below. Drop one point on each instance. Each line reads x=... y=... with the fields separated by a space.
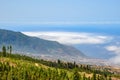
x=33 y=45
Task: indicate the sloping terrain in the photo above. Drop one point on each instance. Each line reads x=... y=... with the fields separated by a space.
x=20 y=67
x=36 y=46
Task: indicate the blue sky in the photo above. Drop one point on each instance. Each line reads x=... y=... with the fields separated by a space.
x=66 y=15
x=22 y=12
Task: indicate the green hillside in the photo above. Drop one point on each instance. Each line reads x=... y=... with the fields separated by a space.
x=21 y=67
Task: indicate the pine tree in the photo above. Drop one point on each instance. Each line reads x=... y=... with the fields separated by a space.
x=76 y=75
x=110 y=78
x=84 y=77
x=4 y=51
x=74 y=64
x=10 y=49
x=94 y=76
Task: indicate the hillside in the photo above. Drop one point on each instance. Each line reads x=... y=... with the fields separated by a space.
x=21 y=67
x=35 y=46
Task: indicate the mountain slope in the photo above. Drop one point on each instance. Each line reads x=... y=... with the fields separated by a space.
x=25 y=44
x=21 y=67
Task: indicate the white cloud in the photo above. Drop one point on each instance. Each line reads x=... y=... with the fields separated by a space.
x=71 y=37
x=116 y=50
x=115 y=60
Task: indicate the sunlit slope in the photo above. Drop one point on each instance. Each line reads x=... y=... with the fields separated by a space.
x=20 y=67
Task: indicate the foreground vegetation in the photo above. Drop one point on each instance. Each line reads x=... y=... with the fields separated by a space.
x=21 y=67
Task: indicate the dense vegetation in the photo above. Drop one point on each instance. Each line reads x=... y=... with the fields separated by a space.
x=21 y=67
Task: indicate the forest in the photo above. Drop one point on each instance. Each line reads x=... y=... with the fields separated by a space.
x=22 y=67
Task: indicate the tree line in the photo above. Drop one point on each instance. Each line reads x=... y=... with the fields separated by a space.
x=6 y=50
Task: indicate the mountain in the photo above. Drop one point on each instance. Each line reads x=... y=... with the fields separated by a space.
x=34 y=46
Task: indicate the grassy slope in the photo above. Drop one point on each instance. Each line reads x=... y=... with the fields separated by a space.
x=28 y=65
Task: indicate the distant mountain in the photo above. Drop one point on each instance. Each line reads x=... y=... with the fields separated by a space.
x=38 y=47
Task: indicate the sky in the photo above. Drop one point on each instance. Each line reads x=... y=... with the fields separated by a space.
x=88 y=24
x=23 y=12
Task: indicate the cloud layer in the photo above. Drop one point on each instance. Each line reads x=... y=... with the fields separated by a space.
x=81 y=38
x=71 y=37
x=116 y=50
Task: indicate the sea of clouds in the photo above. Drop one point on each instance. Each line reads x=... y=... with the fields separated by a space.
x=75 y=38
